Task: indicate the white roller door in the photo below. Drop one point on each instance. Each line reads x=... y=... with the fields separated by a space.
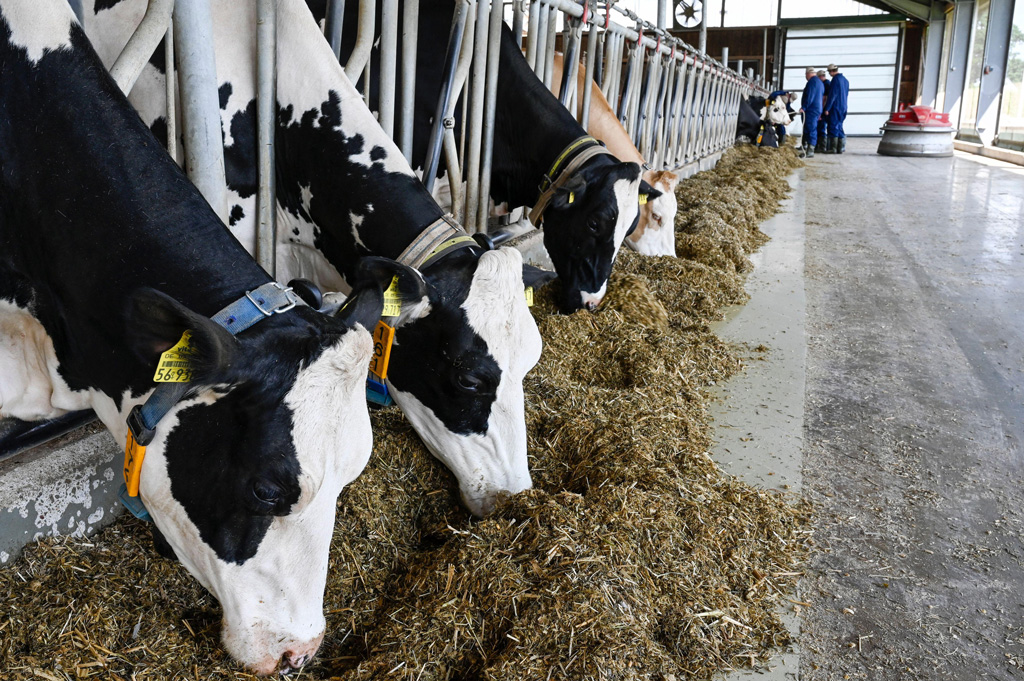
x=867 y=55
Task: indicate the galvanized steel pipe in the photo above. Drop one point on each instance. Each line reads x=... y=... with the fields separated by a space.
x=171 y=92
x=570 y=60
x=536 y=16
x=451 y=60
x=410 y=42
x=588 y=75
x=200 y=104
x=333 y=23
x=142 y=44
x=490 y=107
x=266 y=109
x=474 y=140
x=517 y=22
x=549 y=48
x=388 y=66
x=360 y=56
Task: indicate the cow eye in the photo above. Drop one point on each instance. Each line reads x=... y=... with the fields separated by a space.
x=469 y=382
x=657 y=218
x=594 y=225
x=265 y=493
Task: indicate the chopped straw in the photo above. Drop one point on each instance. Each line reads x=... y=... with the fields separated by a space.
x=634 y=556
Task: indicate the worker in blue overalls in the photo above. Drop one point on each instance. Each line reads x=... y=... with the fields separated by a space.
x=835 y=110
x=787 y=97
x=810 y=107
x=823 y=121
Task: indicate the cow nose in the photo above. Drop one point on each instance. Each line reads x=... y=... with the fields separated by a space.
x=591 y=305
x=292 y=662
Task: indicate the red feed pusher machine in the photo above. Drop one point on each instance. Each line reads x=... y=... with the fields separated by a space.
x=917 y=131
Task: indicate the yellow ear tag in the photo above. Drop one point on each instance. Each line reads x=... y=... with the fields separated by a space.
x=392 y=300
x=642 y=199
x=175 y=365
x=382 y=337
x=529 y=296
x=134 y=453
x=572 y=196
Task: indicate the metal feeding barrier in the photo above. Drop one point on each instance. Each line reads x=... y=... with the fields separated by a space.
x=679 y=106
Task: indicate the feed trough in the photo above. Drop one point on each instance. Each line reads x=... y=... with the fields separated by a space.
x=917 y=131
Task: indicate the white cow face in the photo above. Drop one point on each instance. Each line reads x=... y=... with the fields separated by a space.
x=457 y=372
x=775 y=112
x=242 y=476
x=655 y=234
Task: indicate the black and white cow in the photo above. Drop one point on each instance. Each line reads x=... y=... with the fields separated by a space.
x=588 y=219
x=344 y=190
x=748 y=123
x=758 y=119
x=108 y=254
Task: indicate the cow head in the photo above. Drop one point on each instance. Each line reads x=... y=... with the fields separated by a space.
x=655 y=233
x=774 y=111
x=584 y=226
x=457 y=368
x=243 y=474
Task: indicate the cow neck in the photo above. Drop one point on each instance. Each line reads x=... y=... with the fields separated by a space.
x=441 y=237
x=572 y=158
x=522 y=160
x=111 y=212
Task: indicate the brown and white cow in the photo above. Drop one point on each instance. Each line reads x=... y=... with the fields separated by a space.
x=655 y=232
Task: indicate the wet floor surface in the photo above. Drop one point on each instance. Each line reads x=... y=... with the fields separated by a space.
x=913 y=420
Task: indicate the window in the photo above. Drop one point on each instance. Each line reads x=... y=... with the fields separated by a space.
x=975 y=64
x=1011 y=104
x=947 y=40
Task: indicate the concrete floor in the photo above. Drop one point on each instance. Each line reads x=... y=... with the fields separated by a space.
x=912 y=422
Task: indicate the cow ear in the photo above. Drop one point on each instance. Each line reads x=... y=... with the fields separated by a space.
x=363 y=307
x=407 y=282
x=647 y=192
x=570 y=194
x=536 y=277
x=373 y=277
x=671 y=179
x=156 y=322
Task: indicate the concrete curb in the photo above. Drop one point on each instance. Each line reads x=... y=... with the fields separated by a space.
x=759 y=416
x=65 y=487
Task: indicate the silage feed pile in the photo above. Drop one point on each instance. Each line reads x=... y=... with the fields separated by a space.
x=634 y=557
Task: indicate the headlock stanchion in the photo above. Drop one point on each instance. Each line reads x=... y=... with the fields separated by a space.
x=678 y=105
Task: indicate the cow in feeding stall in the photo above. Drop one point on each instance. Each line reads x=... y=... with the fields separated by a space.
x=108 y=256
x=585 y=199
x=759 y=118
x=655 y=230
x=344 y=191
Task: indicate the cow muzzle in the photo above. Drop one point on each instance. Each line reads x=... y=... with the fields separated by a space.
x=266 y=653
x=592 y=300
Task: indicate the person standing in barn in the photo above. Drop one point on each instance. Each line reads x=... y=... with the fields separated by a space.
x=822 y=126
x=810 y=106
x=835 y=111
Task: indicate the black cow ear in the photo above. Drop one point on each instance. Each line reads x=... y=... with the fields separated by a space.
x=646 y=190
x=363 y=307
x=410 y=287
x=156 y=322
x=569 y=194
x=536 y=277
